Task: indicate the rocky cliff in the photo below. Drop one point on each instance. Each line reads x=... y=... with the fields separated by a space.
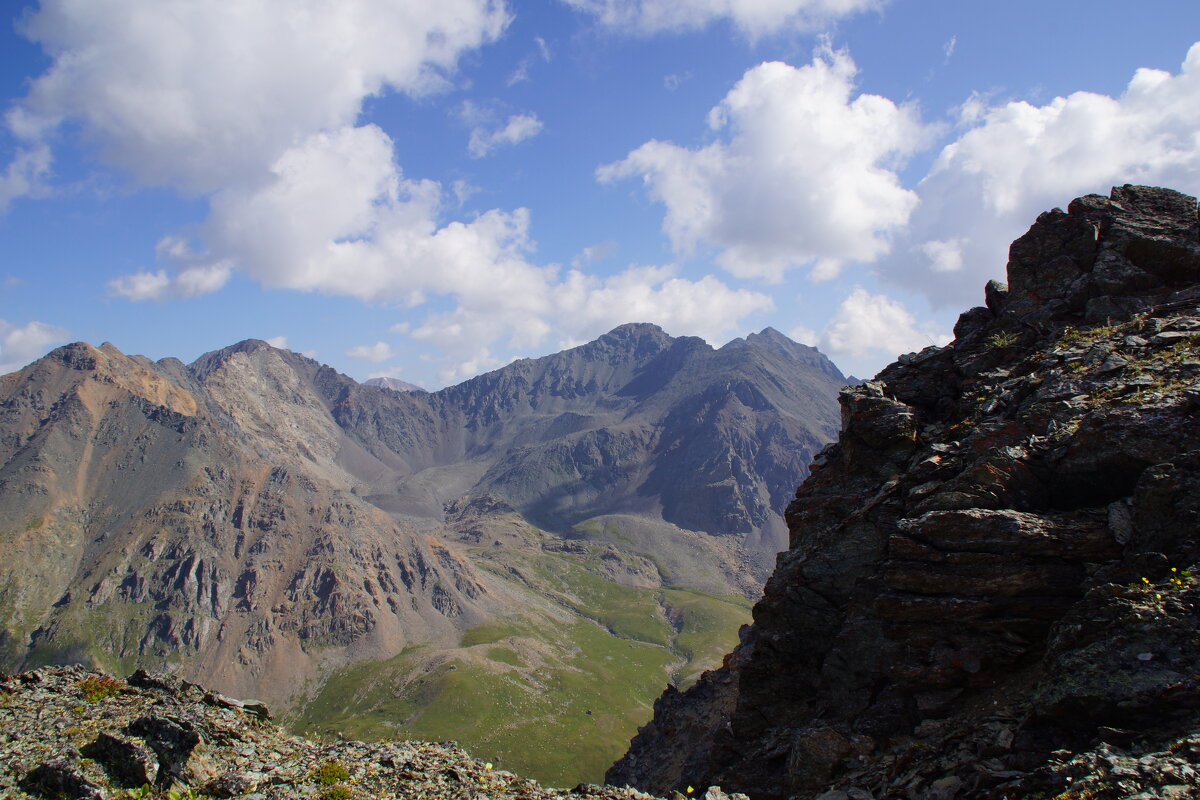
x=990 y=589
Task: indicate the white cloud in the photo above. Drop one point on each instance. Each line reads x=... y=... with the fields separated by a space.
x=376 y=353
x=870 y=326
x=804 y=335
x=518 y=128
x=198 y=95
x=21 y=345
x=280 y=342
x=161 y=285
x=802 y=174
x=337 y=216
x=581 y=307
x=25 y=175
x=1015 y=160
x=943 y=256
x=754 y=18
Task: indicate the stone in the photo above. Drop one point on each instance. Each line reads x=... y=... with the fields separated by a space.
x=60 y=776
x=995 y=296
x=129 y=760
x=171 y=739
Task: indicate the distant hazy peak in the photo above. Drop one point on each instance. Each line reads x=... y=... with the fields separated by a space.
x=772 y=341
x=395 y=384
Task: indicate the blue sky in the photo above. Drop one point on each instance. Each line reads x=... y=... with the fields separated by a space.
x=430 y=188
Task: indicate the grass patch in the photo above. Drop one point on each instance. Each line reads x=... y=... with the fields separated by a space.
x=329 y=773
x=552 y=700
x=488 y=632
x=502 y=655
x=708 y=628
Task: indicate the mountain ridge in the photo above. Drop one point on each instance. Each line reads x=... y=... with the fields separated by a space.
x=262 y=520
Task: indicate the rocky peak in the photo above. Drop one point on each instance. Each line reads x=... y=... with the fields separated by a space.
x=1104 y=257
x=772 y=341
x=989 y=573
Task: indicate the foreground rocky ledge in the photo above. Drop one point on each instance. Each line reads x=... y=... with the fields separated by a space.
x=75 y=733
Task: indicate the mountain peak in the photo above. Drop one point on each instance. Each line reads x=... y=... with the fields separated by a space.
x=395 y=384
x=772 y=341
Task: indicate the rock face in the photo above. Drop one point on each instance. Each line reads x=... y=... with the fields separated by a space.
x=153 y=512
x=989 y=589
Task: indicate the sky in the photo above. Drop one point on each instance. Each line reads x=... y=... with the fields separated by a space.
x=429 y=189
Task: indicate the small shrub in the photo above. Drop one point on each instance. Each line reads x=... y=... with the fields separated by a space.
x=1002 y=339
x=336 y=792
x=96 y=688
x=330 y=773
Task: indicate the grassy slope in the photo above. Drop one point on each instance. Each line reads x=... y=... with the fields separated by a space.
x=554 y=700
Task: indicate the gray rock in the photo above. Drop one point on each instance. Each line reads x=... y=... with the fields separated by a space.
x=129 y=760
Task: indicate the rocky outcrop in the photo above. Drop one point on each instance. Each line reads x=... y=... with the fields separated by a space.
x=989 y=589
x=69 y=732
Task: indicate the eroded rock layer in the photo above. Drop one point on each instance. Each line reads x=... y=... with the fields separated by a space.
x=989 y=589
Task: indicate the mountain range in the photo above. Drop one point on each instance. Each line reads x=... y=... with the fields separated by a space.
x=568 y=532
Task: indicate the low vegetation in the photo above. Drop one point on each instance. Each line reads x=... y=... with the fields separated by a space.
x=100 y=688
x=554 y=694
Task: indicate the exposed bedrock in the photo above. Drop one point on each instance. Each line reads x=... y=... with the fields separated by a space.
x=988 y=590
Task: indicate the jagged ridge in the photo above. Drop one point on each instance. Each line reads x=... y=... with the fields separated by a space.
x=989 y=587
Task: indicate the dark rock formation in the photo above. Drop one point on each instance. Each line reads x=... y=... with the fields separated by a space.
x=989 y=590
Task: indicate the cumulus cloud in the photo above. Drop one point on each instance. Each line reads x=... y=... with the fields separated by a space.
x=198 y=94
x=754 y=18
x=376 y=353
x=871 y=326
x=161 y=285
x=1014 y=160
x=802 y=173
x=20 y=345
x=256 y=108
x=580 y=307
x=518 y=128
